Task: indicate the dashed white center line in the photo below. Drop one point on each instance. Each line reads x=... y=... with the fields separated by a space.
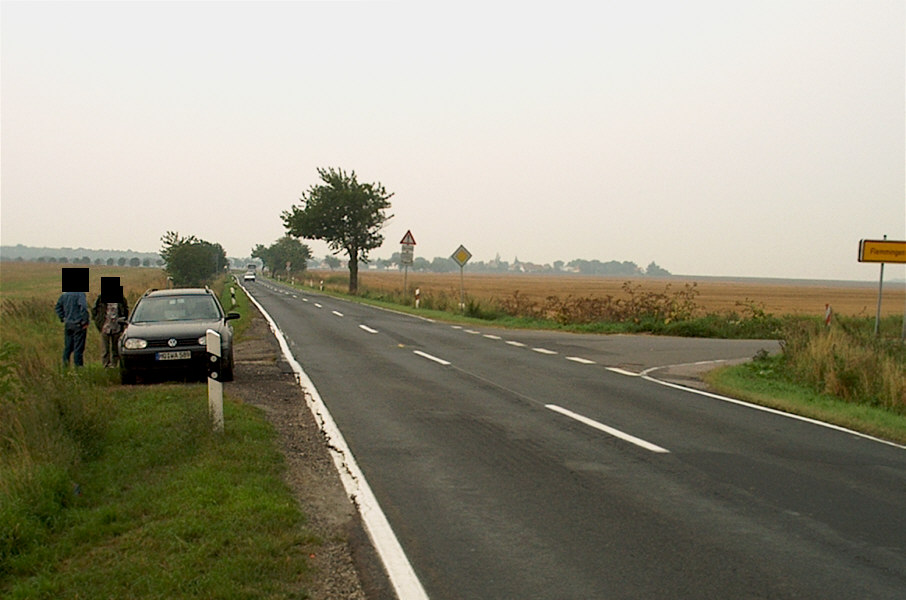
x=367 y=328
x=609 y=430
x=580 y=360
x=472 y=331
x=456 y=326
x=517 y=344
x=318 y=305
x=543 y=351
x=439 y=361
x=336 y=312
x=304 y=299
x=492 y=337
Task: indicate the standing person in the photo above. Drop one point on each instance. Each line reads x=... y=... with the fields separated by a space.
x=72 y=308
x=108 y=309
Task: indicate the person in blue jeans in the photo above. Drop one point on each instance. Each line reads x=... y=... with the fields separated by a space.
x=72 y=308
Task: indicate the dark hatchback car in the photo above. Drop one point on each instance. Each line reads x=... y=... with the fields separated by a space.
x=165 y=334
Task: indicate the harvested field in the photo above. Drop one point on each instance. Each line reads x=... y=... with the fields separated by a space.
x=778 y=297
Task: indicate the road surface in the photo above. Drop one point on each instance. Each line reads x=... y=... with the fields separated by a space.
x=527 y=464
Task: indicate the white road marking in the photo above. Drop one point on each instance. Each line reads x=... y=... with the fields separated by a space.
x=622 y=371
x=492 y=337
x=543 y=351
x=399 y=570
x=336 y=312
x=304 y=299
x=517 y=344
x=472 y=331
x=609 y=430
x=580 y=360
x=318 y=305
x=773 y=411
x=295 y=296
x=439 y=361
x=367 y=328
x=456 y=326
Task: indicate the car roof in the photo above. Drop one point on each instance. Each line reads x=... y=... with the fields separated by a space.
x=180 y=292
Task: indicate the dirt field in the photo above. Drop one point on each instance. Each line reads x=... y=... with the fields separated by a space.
x=779 y=297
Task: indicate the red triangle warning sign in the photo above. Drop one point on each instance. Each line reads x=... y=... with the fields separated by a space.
x=408 y=240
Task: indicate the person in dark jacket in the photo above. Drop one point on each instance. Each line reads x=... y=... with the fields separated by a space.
x=72 y=308
x=109 y=308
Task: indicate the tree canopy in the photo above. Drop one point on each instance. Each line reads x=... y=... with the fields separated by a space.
x=343 y=212
x=191 y=261
x=285 y=250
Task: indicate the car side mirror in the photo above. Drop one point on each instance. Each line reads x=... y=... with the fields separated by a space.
x=231 y=316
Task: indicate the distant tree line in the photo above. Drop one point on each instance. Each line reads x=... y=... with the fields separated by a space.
x=440 y=264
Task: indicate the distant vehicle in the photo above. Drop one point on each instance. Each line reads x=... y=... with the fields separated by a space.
x=250 y=276
x=166 y=334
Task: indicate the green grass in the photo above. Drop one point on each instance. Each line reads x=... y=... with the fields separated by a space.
x=113 y=492
x=170 y=510
x=764 y=381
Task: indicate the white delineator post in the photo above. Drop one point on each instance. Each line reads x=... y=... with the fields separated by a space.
x=215 y=387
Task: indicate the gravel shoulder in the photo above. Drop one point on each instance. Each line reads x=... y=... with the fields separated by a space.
x=345 y=565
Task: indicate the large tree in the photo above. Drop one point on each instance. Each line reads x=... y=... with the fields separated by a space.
x=346 y=214
x=285 y=250
x=191 y=261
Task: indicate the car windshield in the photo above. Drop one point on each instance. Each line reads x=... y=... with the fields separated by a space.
x=176 y=308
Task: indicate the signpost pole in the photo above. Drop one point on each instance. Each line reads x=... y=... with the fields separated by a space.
x=461 y=257
x=407 y=254
x=462 y=289
x=880 y=291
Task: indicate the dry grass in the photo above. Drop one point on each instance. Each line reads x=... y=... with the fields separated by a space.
x=775 y=297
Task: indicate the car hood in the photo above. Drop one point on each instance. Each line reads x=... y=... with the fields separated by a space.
x=176 y=329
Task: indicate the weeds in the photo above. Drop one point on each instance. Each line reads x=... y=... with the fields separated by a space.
x=847 y=361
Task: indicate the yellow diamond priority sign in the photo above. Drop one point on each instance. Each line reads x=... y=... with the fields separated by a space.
x=461 y=256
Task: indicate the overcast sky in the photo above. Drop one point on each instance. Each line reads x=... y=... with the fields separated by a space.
x=715 y=138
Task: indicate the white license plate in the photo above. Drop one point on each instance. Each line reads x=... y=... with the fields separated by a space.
x=177 y=355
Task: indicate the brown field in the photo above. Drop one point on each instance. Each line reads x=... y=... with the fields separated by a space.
x=778 y=297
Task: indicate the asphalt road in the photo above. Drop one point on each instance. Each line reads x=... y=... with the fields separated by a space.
x=520 y=464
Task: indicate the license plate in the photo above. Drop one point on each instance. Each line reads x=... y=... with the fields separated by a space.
x=177 y=355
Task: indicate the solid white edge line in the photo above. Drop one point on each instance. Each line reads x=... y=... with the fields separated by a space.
x=399 y=570
x=439 y=361
x=773 y=411
x=367 y=328
x=620 y=371
x=609 y=430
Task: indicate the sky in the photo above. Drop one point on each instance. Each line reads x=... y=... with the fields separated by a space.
x=758 y=139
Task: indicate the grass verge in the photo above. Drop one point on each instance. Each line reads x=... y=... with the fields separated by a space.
x=116 y=492
x=763 y=382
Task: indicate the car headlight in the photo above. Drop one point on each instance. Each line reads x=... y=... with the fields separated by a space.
x=135 y=344
x=203 y=340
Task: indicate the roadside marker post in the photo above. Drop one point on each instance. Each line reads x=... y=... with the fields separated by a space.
x=215 y=387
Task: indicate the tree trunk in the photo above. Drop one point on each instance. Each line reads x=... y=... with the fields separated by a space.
x=353 y=270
